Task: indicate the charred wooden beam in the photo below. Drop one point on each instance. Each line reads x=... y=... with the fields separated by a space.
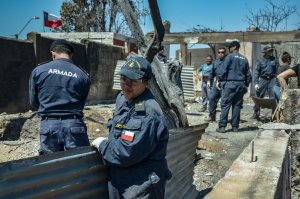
x=221 y=37
x=166 y=83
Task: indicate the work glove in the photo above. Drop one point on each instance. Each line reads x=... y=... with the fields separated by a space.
x=96 y=143
x=256 y=87
x=208 y=85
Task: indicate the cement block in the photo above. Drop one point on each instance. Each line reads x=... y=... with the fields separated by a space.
x=267 y=177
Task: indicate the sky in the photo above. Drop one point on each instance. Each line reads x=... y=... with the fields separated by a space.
x=183 y=14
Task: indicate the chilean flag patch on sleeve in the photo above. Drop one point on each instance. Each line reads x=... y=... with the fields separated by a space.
x=127 y=135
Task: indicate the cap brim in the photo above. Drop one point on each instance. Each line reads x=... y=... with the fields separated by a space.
x=130 y=75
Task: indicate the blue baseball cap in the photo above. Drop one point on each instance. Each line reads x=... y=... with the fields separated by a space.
x=136 y=68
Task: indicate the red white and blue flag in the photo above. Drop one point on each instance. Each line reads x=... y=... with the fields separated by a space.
x=127 y=135
x=51 y=20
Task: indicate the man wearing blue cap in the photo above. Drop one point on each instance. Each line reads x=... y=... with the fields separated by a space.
x=59 y=90
x=137 y=144
x=265 y=75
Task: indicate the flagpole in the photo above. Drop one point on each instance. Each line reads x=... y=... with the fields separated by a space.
x=44 y=21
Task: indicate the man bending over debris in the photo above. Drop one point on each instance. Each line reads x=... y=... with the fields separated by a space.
x=59 y=90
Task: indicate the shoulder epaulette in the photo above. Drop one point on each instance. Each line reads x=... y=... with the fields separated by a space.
x=140 y=107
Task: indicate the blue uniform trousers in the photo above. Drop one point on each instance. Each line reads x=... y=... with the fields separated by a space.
x=214 y=96
x=61 y=134
x=232 y=95
x=265 y=86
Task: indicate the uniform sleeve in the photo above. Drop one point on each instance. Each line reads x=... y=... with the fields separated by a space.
x=212 y=74
x=123 y=153
x=86 y=90
x=248 y=75
x=33 y=96
x=224 y=68
x=257 y=71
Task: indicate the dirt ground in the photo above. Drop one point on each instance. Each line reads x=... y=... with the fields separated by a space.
x=19 y=133
x=19 y=138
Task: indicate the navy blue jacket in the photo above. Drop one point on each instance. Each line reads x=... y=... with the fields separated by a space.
x=143 y=120
x=235 y=67
x=216 y=70
x=266 y=67
x=59 y=88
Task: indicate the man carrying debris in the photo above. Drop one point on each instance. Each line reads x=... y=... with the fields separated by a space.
x=59 y=90
x=136 y=148
x=215 y=93
x=206 y=70
x=235 y=78
x=265 y=73
x=292 y=72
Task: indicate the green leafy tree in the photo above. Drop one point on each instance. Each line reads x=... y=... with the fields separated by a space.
x=97 y=16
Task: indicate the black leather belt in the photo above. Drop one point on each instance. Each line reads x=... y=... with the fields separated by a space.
x=65 y=117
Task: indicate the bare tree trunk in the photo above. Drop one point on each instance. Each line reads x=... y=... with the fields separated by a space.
x=166 y=83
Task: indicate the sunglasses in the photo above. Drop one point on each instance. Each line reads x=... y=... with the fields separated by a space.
x=127 y=81
x=221 y=52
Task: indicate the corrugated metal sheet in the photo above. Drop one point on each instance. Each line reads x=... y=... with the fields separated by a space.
x=187 y=78
x=80 y=173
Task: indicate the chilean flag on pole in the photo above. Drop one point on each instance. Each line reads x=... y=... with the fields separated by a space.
x=51 y=20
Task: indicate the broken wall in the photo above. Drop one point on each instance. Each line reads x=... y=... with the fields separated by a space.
x=17 y=61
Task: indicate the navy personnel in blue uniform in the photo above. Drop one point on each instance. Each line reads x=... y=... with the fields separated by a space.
x=215 y=93
x=235 y=78
x=265 y=75
x=59 y=90
x=137 y=144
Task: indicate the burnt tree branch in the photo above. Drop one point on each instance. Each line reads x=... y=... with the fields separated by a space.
x=166 y=83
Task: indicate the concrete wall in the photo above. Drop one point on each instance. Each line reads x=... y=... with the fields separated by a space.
x=19 y=58
x=17 y=61
x=102 y=61
x=266 y=176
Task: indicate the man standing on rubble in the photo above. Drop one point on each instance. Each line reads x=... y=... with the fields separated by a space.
x=59 y=90
x=206 y=70
x=265 y=75
x=136 y=148
x=235 y=78
x=215 y=93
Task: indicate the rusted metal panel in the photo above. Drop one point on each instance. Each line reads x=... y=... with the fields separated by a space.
x=80 y=173
x=187 y=78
